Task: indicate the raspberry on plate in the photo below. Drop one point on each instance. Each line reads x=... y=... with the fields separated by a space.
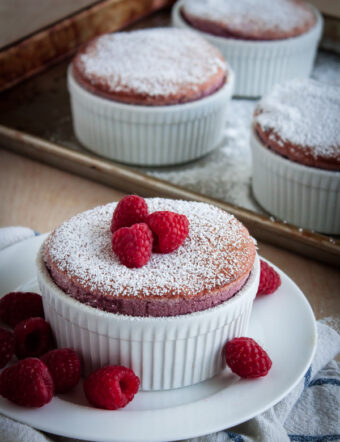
x=270 y=280
x=246 y=358
x=133 y=245
x=27 y=383
x=6 y=346
x=111 y=387
x=170 y=230
x=132 y=209
x=17 y=306
x=33 y=337
x=65 y=367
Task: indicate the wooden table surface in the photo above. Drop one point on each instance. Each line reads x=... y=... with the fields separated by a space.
x=41 y=197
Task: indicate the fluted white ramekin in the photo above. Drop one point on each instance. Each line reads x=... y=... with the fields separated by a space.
x=259 y=65
x=166 y=353
x=305 y=196
x=149 y=135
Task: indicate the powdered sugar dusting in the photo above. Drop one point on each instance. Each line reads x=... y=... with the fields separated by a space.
x=305 y=113
x=155 y=62
x=251 y=14
x=216 y=252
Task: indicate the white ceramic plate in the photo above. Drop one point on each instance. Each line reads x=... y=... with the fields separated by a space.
x=282 y=323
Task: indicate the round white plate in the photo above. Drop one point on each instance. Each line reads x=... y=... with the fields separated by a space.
x=283 y=323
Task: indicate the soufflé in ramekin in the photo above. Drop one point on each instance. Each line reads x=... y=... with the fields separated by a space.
x=167 y=320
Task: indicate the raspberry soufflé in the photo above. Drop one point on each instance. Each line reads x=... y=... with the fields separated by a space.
x=211 y=265
x=296 y=154
x=153 y=67
x=150 y=97
x=249 y=19
x=155 y=285
x=262 y=39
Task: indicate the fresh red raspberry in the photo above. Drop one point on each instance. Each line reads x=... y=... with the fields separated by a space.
x=33 y=337
x=132 y=209
x=65 y=367
x=133 y=245
x=247 y=358
x=6 y=346
x=17 y=306
x=28 y=383
x=169 y=229
x=111 y=387
x=270 y=280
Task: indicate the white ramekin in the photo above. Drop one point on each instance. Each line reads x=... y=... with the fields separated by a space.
x=259 y=65
x=305 y=196
x=149 y=135
x=165 y=353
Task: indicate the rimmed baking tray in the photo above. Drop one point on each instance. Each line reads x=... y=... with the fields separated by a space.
x=35 y=121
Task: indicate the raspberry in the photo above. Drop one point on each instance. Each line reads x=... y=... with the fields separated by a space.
x=33 y=337
x=111 y=387
x=170 y=230
x=6 y=346
x=133 y=245
x=131 y=209
x=27 y=383
x=17 y=306
x=247 y=358
x=65 y=367
x=270 y=280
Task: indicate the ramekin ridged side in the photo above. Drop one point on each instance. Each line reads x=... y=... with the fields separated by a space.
x=166 y=353
x=305 y=196
x=149 y=135
x=259 y=65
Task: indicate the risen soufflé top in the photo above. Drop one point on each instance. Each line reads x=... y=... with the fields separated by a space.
x=211 y=265
x=153 y=67
x=250 y=19
x=301 y=121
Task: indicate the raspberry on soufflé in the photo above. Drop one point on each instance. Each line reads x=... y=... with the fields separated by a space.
x=169 y=229
x=132 y=209
x=133 y=245
x=300 y=121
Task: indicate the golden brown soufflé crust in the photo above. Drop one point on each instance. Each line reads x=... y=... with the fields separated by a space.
x=249 y=19
x=153 y=67
x=210 y=267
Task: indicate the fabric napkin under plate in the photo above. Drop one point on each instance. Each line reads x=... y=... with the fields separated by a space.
x=310 y=413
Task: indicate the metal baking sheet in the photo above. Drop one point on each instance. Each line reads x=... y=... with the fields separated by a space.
x=36 y=121
x=46 y=46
